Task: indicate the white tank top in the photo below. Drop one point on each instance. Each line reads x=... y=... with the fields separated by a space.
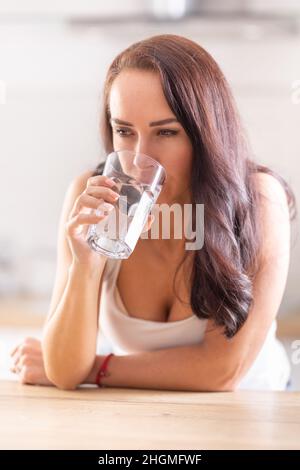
x=128 y=335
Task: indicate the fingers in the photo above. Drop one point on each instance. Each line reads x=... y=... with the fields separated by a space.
x=86 y=211
x=30 y=347
x=99 y=180
x=104 y=209
x=28 y=375
x=28 y=360
x=32 y=372
x=30 y=368
x=31 y=375
x=14 y=350
x=34 y=376
x=74 y=226
x=21 y=356
x=15 y=369
x=100 y=188
x=92 y=197
x=29 y=341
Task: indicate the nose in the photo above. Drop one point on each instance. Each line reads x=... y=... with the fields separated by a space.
x=142 y=146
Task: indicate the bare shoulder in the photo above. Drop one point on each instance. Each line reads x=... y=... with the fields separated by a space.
x=79 y=182
x=75 y=188
x=273 y=215
x=272 y=192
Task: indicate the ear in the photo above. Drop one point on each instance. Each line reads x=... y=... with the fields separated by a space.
x=148 y=224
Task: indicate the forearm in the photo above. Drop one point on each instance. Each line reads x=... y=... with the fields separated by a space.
x=69 y=337
x=183 y=368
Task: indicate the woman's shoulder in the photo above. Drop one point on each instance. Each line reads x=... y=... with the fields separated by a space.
x=273 y=215
x=272 y=191
x=81 y=179
x=77 y=185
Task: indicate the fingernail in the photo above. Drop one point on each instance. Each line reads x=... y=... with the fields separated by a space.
x=107 y=207
x=104 y=209
x=110 y=182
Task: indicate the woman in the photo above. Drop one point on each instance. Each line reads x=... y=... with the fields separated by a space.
x=201 y=320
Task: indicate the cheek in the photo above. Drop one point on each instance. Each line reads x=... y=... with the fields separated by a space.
x=116 y=142
x=178 y=163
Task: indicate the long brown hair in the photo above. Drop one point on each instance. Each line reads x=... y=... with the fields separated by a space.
x=197 y=92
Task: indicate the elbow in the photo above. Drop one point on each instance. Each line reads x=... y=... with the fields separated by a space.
x=66 y=386
x=226 y=387
x=60 y=376
x=222 y=375
x=62 y=372
x=220 y=387
x=62 y=383
x=229 y=378
x=65 y=378
x=230 y=383
x=227 y=382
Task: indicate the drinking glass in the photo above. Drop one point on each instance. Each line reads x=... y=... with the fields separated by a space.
x=138 y=181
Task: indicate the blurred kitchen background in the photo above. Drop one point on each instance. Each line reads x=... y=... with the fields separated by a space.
x=53 y=59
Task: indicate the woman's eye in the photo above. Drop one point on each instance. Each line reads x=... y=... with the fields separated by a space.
x=122 y=132
x=167 y=132
x=162 y=132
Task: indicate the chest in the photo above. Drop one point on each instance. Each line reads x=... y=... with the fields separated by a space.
x=145 y=286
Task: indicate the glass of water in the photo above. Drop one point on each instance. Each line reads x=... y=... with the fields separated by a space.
x=138 y=181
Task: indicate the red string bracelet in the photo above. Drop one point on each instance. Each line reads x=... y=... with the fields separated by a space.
x=102 y=371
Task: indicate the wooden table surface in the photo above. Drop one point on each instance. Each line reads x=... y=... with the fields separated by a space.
x=33 y=417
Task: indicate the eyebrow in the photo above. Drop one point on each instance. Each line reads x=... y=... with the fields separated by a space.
x=151 y=124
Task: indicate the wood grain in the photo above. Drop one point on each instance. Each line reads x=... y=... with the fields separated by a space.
x=34 y=417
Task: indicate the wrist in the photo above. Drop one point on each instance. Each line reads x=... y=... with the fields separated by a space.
x=91 y=378
x=87 y=269
x=104 y=371
x=100 y=362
